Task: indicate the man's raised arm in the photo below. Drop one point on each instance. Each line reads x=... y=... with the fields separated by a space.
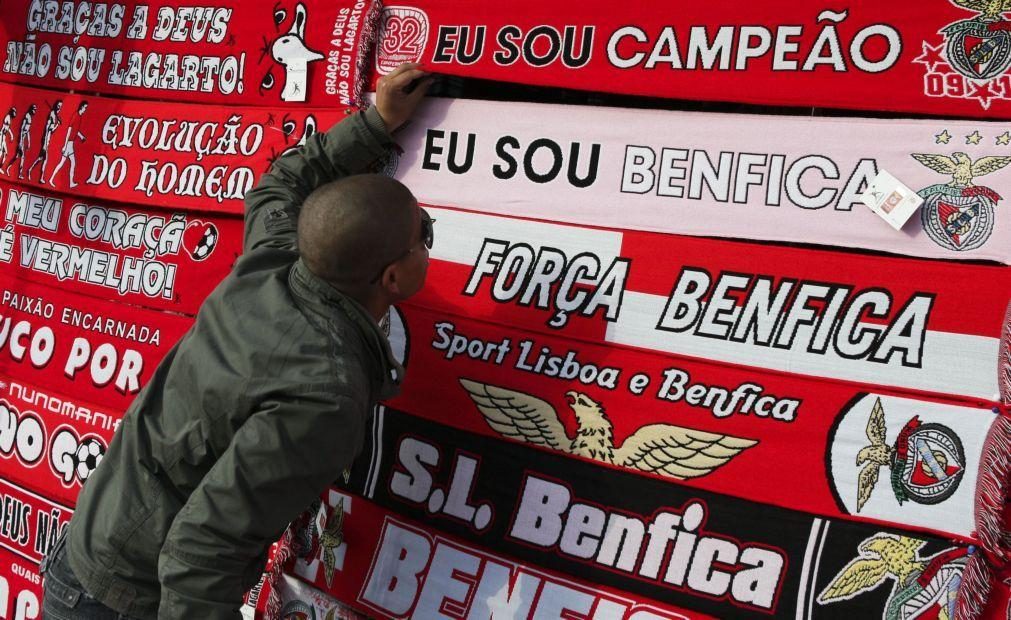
x=349 y=147
x=272 y=207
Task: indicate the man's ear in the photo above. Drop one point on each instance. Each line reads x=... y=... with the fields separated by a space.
x=390 y=280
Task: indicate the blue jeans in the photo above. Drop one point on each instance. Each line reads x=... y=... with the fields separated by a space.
x=64 y=598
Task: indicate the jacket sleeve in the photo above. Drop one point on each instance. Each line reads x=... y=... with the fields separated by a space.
x=272 y=207
x=278 y=462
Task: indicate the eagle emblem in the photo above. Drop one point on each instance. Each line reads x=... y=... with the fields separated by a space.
x=959 y=215
x=961 y=167
x=876 y=455
x=664 y=449
x=989 y=10
x=330 y=539
x=979 y=48
x=927 y=461
x=918 y=583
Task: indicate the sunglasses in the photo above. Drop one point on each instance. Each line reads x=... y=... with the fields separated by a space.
x=427 y=229
x=427 y=237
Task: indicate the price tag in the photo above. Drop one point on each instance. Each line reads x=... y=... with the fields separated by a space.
x=891 y=199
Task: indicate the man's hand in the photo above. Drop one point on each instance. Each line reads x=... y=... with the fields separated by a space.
x=398 y=94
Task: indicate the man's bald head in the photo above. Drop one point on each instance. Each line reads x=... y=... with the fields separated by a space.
x=351 y=228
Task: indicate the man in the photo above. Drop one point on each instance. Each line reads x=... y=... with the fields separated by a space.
x=263 y=403
x=67 y=152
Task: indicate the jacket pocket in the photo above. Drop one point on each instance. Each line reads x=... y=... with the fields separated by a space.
x=142 y=525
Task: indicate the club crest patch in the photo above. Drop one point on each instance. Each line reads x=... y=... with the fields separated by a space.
x=909 y=462
x=971 y=57
x=959 y=215
x=927 y=461
x=980 y=47
x=921 y=586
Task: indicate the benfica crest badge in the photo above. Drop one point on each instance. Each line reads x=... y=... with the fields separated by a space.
x=927 y=461
x=971 y=57
x=959 y=215
x=921 y=587
x=980 y=48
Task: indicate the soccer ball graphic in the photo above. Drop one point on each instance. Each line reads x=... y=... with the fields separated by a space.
x=89 y=454
x=200 y=239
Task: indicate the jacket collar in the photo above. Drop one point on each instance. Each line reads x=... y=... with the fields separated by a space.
x=327 y=301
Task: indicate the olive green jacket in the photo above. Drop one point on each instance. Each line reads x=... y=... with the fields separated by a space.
x=247 y=419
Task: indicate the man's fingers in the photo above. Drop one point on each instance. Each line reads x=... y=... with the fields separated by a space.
x=404 y=78
x=399 y=93
x=421 y=87
x=399 y=71
x=407 y=66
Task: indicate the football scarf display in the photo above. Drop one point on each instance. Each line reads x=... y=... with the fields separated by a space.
x=945 y=58
x=287 y=52
x=868 y=455
x=666 y=364
x=168 y=260
x=858 y=318
x=34 y=522
x=772 y=178
x=99 y=351
x=22 y=585
x=175 y=156
x=50 y=442
x=509 y=350
x=453 y=514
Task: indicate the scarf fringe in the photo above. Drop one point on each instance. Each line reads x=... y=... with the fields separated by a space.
x=283 y=553
x=299 y=540
x=364 y=56
x=1004 y=363
x=975 y=588
x=993 y=492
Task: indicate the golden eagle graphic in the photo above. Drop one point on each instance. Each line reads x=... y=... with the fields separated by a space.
x=876 y=455
x=990 y=10
x=330 y=538
x=664 y=449
x=961 y=168
x=881 y=556
x=918 y=583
